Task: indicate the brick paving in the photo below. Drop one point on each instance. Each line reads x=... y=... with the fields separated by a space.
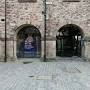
x=65 y=75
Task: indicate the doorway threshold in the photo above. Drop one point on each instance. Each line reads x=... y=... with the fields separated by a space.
x=73 y=58
x=28 y=60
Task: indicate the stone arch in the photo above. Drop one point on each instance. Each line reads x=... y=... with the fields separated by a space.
x=69 y=41
x=24 y=34
x=18 y=28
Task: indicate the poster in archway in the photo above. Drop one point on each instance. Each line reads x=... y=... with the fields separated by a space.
x=29 y=46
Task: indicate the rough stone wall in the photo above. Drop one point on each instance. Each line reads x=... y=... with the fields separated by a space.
x=2 y=16
x=62 y=13
x=22 y=13
x=59 y=13
x=2 y=29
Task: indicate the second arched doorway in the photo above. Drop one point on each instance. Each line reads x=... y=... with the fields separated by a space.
x=28 y=42
x=69 y=41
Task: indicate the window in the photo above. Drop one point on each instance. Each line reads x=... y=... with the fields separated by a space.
x=71 y=0
x=23 y=1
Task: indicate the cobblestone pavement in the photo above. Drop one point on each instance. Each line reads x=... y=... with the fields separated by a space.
x=65 y=75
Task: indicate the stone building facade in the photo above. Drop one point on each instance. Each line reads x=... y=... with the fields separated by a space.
x=59 y=13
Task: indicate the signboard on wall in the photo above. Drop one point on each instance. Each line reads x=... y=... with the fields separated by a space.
x=24 y=1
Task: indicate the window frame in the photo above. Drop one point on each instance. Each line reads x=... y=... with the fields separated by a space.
x=27 y=1
x=71 y=0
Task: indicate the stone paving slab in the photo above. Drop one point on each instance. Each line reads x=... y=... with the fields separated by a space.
x=64 y=75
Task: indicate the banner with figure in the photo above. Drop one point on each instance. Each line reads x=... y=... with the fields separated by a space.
x=28 y=43
x=29 y=46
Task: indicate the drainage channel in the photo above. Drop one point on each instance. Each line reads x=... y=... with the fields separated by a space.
x=26 y=62
x=42 y=77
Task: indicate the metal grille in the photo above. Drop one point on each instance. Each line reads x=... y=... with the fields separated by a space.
x=29 y=43
x=68 y=46
x=69 y=41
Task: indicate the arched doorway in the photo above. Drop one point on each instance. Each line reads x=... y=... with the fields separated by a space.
x=28 y=42
x=69 y=41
